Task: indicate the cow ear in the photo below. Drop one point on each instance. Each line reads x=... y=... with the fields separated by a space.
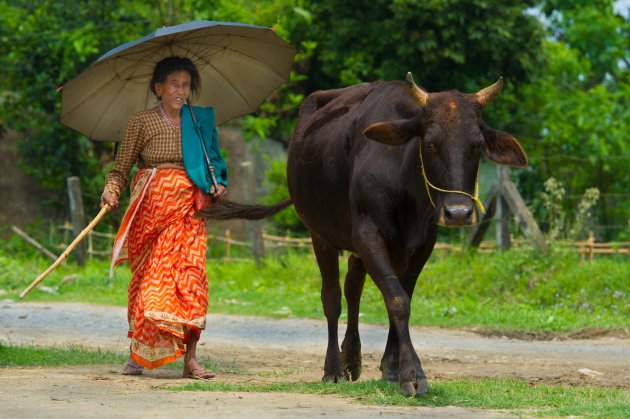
x=393 y=133
x=502 y=148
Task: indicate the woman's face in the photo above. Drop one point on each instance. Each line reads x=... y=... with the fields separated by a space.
x=175 y=90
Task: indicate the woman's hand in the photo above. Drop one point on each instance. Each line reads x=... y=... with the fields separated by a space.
x=218 y=193
x=109 y=199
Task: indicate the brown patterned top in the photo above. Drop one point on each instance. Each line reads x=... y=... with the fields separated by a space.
x=149 y=141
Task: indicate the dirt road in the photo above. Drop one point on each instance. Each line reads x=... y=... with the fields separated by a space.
x=264 y=350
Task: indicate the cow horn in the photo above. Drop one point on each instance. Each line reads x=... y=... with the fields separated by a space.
x=487 y=95
x=417 y=93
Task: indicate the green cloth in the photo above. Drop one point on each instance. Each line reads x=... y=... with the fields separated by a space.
x=194 y=160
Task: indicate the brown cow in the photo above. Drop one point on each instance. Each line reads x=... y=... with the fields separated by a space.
x=374 y=169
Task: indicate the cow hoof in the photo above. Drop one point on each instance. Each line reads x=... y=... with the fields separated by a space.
x=334 y=378
x=353 y=371
x=423 y=386
x=409 y=389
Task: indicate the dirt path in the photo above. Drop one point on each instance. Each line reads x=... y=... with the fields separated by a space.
x=264 y=350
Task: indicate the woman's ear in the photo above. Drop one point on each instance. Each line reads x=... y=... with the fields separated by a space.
x=158 y=90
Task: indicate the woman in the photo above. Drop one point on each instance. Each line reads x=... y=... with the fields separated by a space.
x=160 y=236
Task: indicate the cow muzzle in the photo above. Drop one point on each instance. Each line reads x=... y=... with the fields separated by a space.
x=459 y=215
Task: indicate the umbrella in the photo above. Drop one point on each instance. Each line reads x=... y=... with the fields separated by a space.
x=239 y=65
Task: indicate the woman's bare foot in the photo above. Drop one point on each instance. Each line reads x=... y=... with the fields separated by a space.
x=132 y=368
x=198 y=373
x=192 y=368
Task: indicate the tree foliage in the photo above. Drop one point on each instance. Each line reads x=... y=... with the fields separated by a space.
x=565 y=63
x=445 y=43
x=579 y=116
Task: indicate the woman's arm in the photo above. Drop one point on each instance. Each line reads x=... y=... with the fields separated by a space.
x=117 y=179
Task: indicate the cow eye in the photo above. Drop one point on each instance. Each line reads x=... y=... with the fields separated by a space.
x=432 y=147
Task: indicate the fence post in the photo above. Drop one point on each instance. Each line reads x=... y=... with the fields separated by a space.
x=591 y=245
x=77 y=215
x=90 y=250
x=503 y=213
x=253 y=227
x=228 y=243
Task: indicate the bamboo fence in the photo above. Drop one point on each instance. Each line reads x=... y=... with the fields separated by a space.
x=587 y=248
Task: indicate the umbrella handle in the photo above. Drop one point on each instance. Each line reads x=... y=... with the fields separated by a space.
x=66 y=252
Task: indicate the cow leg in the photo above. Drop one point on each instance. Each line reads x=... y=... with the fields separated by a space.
x=378 y=264
x=328 y=261
x=390 y=363
x=351 y=346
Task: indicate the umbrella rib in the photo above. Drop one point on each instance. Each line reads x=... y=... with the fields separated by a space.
x=94 y=89
x=202 y=58
x=98 y=121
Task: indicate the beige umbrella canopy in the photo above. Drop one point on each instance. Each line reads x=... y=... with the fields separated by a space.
x=239 y=65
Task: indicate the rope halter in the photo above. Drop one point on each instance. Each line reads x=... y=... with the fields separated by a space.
x=428 y=184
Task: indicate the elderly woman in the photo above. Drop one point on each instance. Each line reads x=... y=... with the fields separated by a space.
x=164 y=242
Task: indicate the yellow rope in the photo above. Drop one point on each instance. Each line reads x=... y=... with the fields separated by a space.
x=427 y=184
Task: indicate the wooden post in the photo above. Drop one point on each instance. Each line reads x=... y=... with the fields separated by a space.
x=504 y=198
x=77 y=215
x=503 y=213
x=253 y=227
x=484 y=223
x=228 y=243
x=90 y=249
x=591 y=245
x=527 y=222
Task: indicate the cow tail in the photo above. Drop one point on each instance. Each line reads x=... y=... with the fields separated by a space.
x=228 y=210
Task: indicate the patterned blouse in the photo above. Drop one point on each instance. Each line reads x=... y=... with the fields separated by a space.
x=149 y=141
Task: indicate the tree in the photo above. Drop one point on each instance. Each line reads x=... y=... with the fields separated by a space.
x=43 y=44
x=445 y=43
x=579 y=115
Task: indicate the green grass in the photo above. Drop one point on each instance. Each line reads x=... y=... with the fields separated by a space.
x=68 y=355
x=517 y=396
x=31 y=356
x=512 y=291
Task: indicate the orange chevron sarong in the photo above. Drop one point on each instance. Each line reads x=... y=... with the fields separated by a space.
x=166 y=247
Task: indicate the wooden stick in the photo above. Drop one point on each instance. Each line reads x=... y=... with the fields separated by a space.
x=66 y=252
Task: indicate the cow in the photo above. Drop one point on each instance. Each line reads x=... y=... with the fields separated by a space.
x=374 y=169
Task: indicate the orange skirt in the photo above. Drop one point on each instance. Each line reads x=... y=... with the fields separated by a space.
x=166 y=248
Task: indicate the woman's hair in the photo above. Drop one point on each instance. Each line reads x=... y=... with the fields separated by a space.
x=172 y=64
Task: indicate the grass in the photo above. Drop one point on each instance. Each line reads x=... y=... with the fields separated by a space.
x=515 y=396
x=32 y=356
x=509 y=292
x=492 y=393
x=71 y=355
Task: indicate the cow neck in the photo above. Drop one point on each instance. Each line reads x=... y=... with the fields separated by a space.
x=428 y=184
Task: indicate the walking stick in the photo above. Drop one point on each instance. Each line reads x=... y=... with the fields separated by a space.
x=66 y=252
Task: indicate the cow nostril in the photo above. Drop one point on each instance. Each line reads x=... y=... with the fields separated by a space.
x=469 y=213
x=458 y=214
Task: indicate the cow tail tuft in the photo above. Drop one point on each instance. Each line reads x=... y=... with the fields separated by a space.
x=228 y=210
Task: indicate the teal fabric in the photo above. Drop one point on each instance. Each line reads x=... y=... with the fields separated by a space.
x=194 y=160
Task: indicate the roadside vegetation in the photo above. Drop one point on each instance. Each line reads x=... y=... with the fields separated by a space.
x=510 y=292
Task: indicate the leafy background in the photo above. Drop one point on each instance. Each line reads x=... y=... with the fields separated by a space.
x=565 y=63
